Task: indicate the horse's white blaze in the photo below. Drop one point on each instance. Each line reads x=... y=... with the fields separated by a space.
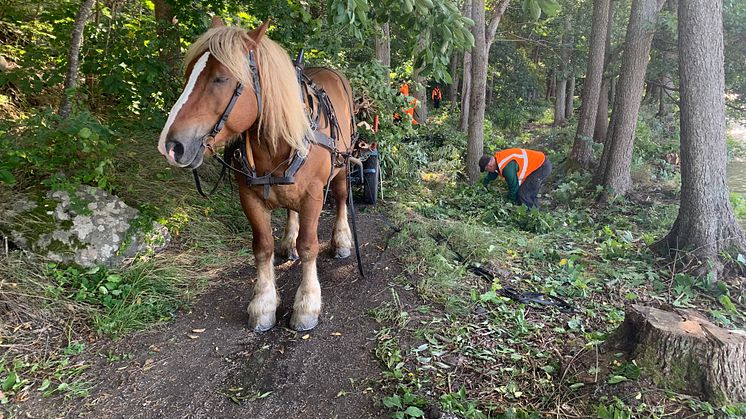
x=199 y=66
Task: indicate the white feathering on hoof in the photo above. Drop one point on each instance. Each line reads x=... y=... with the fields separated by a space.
x=199 y=66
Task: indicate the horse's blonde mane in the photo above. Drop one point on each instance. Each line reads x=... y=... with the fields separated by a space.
x=282 y=116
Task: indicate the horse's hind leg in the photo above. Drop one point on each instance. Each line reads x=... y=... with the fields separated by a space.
x=266 y=299
x=291 y=235
x=307 y=304
x=342 y=236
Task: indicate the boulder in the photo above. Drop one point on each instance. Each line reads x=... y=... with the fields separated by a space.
x=89 y=227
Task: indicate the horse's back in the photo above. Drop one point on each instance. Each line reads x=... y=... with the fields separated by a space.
x=339 y=90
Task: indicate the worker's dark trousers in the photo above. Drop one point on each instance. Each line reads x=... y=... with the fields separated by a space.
x=530 y=187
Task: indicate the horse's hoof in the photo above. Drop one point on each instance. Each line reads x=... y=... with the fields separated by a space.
x=262 y=325
x=301 y=323
x=342 y=253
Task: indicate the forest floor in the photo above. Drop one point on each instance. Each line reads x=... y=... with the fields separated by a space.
x=206 y=363
x=419 y=336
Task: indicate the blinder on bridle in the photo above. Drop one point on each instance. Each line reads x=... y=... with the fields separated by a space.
x=208 y=139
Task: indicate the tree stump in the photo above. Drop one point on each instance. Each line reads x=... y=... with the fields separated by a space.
x=683 y=351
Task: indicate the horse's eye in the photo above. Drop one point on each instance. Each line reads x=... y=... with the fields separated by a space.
x=219 y=79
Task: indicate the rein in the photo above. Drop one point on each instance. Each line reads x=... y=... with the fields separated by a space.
x=295 y=160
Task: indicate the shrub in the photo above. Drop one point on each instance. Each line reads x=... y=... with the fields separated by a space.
x=54 y=151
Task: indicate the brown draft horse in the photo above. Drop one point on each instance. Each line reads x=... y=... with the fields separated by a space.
x=275 y=124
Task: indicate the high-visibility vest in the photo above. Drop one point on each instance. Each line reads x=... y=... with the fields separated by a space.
x=528 y=161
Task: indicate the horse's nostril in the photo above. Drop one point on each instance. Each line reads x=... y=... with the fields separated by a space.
x=174 y=149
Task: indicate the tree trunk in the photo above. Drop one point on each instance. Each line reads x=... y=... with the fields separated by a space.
x=582 y=151
x=73 y=57
x=559 y=103
x=561 y=86
x=705 y=225
x=475 y=146
x=420 y=86
x=466 y=83
x=684 y=351
x=602 y=116
x=570 y=98
x=383 y=45
x=614 y=171
x=168 y=35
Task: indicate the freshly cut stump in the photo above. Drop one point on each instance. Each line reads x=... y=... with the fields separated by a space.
x=685 y=352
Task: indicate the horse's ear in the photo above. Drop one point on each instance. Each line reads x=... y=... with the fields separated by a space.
x=258 y=33
x=216 y=22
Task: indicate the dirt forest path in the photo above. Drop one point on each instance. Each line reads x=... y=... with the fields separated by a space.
x=179 y=371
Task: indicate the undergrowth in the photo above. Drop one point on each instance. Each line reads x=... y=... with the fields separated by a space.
x=471 y=351
x=46 y=305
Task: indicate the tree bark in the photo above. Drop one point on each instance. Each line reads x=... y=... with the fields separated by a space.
x=614 y=171
x=73 y=57
x=570 y=97
x=559 y=102
x=466 y=83
x=561 y=86
x=582 y=151
x=684 y=351
x=383 y=45
x=420 y=86
x=602 y=115
x=168 y=34
x=706 y=224
x=491 y=31
x=475 y=146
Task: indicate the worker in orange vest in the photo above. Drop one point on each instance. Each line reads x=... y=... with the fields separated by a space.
x=437 y=96
x=404 y=90
x=524 y=171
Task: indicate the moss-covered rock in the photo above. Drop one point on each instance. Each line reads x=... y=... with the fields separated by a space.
x=89 y=227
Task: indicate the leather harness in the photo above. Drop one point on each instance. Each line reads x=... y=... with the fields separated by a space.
x=319 y=103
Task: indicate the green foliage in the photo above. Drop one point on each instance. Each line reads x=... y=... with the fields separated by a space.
x=514 y=116
x=439 y=22
x=45 y=148
x=127 y=299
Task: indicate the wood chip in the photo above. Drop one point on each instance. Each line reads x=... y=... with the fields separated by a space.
x=198 y=330
x=306 y=337
x=336 y=334
x=193 y=336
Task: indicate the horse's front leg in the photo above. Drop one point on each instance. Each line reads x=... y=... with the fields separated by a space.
x=342 y=236
x=291 y=235
x=266 y=299
x=307 y=304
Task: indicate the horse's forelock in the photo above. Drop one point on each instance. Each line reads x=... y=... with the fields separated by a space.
x=228 y=45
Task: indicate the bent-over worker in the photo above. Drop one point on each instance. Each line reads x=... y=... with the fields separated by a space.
x=524 y=171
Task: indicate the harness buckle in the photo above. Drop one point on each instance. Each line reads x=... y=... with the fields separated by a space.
x=208 y=141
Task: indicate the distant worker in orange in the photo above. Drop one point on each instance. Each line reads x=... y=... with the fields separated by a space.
x=524 y=171
x=404 y=90
x=437 y=96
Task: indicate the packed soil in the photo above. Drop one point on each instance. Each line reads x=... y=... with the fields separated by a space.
x=207 y=364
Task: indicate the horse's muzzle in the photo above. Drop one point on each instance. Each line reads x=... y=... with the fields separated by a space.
x=184 y=154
